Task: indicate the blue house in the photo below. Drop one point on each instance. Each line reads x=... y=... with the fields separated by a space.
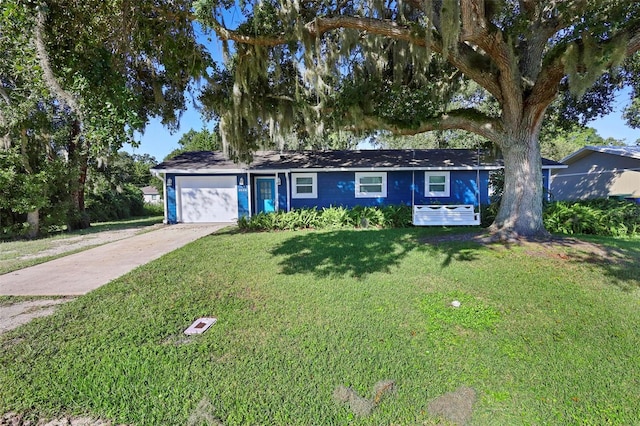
x=207 y=187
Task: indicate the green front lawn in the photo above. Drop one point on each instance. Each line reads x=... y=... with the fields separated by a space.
x=544 y=334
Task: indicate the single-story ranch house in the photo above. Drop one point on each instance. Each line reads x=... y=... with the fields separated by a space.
x=598 y=172
x=206 y=187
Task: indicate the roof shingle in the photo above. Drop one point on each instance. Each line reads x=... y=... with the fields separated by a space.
x=358 y=159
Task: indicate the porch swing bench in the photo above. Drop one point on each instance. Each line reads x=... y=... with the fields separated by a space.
x=445 y=215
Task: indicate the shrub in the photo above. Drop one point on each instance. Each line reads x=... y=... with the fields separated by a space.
x=330 y=217
x=488 y=214
x=365 y=217
x=153 y=209
x=105 y=204
x=397 y=216
x=335 y=217
x=597 y=217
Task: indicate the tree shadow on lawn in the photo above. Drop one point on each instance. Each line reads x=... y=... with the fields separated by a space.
x=618 y=259
x=357 y=253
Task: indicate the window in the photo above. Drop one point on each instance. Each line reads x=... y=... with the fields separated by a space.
x=437 y=184
x=371 y=185
x=305 y=185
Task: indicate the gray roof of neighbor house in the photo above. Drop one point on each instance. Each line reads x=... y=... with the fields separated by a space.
x=623 y=151
x=150 y=190
x=207 y=161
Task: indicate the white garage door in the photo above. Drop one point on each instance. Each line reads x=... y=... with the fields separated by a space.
x=207 y=199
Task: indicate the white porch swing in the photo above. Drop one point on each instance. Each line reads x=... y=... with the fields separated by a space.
x=447 y=214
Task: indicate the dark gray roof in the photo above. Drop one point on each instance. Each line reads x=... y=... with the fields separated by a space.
x=359 y=159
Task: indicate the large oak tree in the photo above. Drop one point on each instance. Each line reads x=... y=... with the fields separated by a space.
x=398 y=65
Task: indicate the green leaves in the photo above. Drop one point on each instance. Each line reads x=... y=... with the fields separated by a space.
x=597 y=217
x=331 y=218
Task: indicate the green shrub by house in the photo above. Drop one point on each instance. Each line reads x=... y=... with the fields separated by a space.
x=331 y=217
x=597 y=217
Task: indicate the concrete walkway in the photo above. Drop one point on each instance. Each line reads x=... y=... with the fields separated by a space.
x=82 y=272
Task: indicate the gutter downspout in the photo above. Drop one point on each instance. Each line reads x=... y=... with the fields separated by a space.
x=249 y=195
x=288 y=177
x=413 y=188
x=277 y=195
x=166 y=199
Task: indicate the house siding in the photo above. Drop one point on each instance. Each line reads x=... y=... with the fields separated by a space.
x=597 y=175
x=546 y=183
x=172 y=213
x=464 y=188
x=282 y=191
x=243 y=196
x=338 y=189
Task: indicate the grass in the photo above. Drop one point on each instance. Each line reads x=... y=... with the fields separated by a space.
x=21 y=254
x=545 y=335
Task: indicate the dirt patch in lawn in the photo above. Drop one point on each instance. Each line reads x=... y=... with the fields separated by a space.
x=455 y=407
x=12 y=419
x=16 y=314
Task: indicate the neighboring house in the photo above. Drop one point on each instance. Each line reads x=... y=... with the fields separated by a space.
x=206 y=187
x=151 y=195
x=598 y=172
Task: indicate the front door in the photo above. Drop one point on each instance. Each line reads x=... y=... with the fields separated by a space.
x=265 y=194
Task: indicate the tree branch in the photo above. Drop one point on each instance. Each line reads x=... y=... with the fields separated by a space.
x=479 y=31
x=49 y=76
x=4 y=95
x=470 y=120
x=225 y=34
x=634 y=44
x=533 y=46
x=546 y=87
x=5 y=140
x=465 y=59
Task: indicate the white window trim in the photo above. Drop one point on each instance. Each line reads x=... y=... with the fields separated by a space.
x=314 y=185
x=447 y=184
x=382 y=194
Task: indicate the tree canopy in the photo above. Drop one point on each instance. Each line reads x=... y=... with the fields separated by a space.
x=202 y=140
x=79 y=77
x=406 y=67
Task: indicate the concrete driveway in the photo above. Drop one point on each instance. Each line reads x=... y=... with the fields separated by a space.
x=82 y=272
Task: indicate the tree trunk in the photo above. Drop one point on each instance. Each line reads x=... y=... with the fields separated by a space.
x=78 y=157
x=33 y=219
x=520 y=212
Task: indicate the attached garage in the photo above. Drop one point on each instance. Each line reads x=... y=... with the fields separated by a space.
x=206 y=199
